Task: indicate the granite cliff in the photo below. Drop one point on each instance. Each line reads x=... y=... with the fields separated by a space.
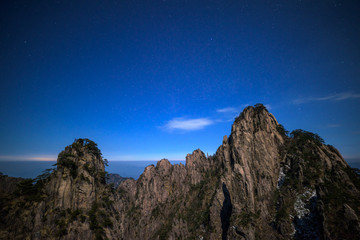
x=262 y=183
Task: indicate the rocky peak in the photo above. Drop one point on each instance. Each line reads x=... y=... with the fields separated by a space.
x=196 y=164
x=80 y=172
x=254 y=128
x=258 y=129
x=164 y=166
x=149 y=172
x=254 y=119
x=83 y=153
x=196 y=158
x=251 y=156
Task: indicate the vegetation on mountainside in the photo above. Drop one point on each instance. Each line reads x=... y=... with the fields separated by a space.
x=98 y=220
x=80 y=146
x=341 y=187
x=72 y=154
x=300 y=137
x=64 y=220
x=259 y=107
x=305 y=169
x=280 y=128
x=29 y=192
x=32 y=189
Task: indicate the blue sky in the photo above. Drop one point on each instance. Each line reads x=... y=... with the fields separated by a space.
x=157 y=79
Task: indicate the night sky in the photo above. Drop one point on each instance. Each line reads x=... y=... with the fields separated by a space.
x=158 y=79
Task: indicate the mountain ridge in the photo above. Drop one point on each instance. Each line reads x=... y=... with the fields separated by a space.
x=261 y=183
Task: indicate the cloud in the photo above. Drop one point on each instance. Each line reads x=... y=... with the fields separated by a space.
x=335 y=97
x=232 y=109
x=188 y=124
x=227 y=110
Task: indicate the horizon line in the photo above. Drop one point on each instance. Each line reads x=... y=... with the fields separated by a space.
x=54 y=160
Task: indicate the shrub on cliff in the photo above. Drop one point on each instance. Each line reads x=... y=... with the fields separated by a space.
x=302 y=136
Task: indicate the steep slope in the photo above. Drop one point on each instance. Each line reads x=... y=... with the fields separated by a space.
x=260 y=184
x=252 y=162
x=64 y=203
x=318 y=191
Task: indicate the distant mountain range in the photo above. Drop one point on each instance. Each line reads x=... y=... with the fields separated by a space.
x=116 y=179
x=262 y=183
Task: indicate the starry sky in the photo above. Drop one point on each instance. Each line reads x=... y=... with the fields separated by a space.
x=158 y=79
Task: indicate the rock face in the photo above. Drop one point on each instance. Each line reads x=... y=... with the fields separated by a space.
x=260 y=184
x=116 y=179
x=62 y=204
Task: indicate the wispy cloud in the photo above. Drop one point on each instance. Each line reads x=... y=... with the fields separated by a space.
x=227 y=110
x=334 y=97
x=232 y=109
x=188 y=124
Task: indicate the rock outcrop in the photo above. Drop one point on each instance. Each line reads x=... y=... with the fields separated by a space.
x=261 y=183
x=62 y=204
x=116 y=179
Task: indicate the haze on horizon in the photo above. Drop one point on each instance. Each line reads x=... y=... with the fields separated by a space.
x=158 y=79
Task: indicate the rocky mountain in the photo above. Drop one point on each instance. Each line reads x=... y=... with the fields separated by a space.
x=116 y=179
x=262 y=183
